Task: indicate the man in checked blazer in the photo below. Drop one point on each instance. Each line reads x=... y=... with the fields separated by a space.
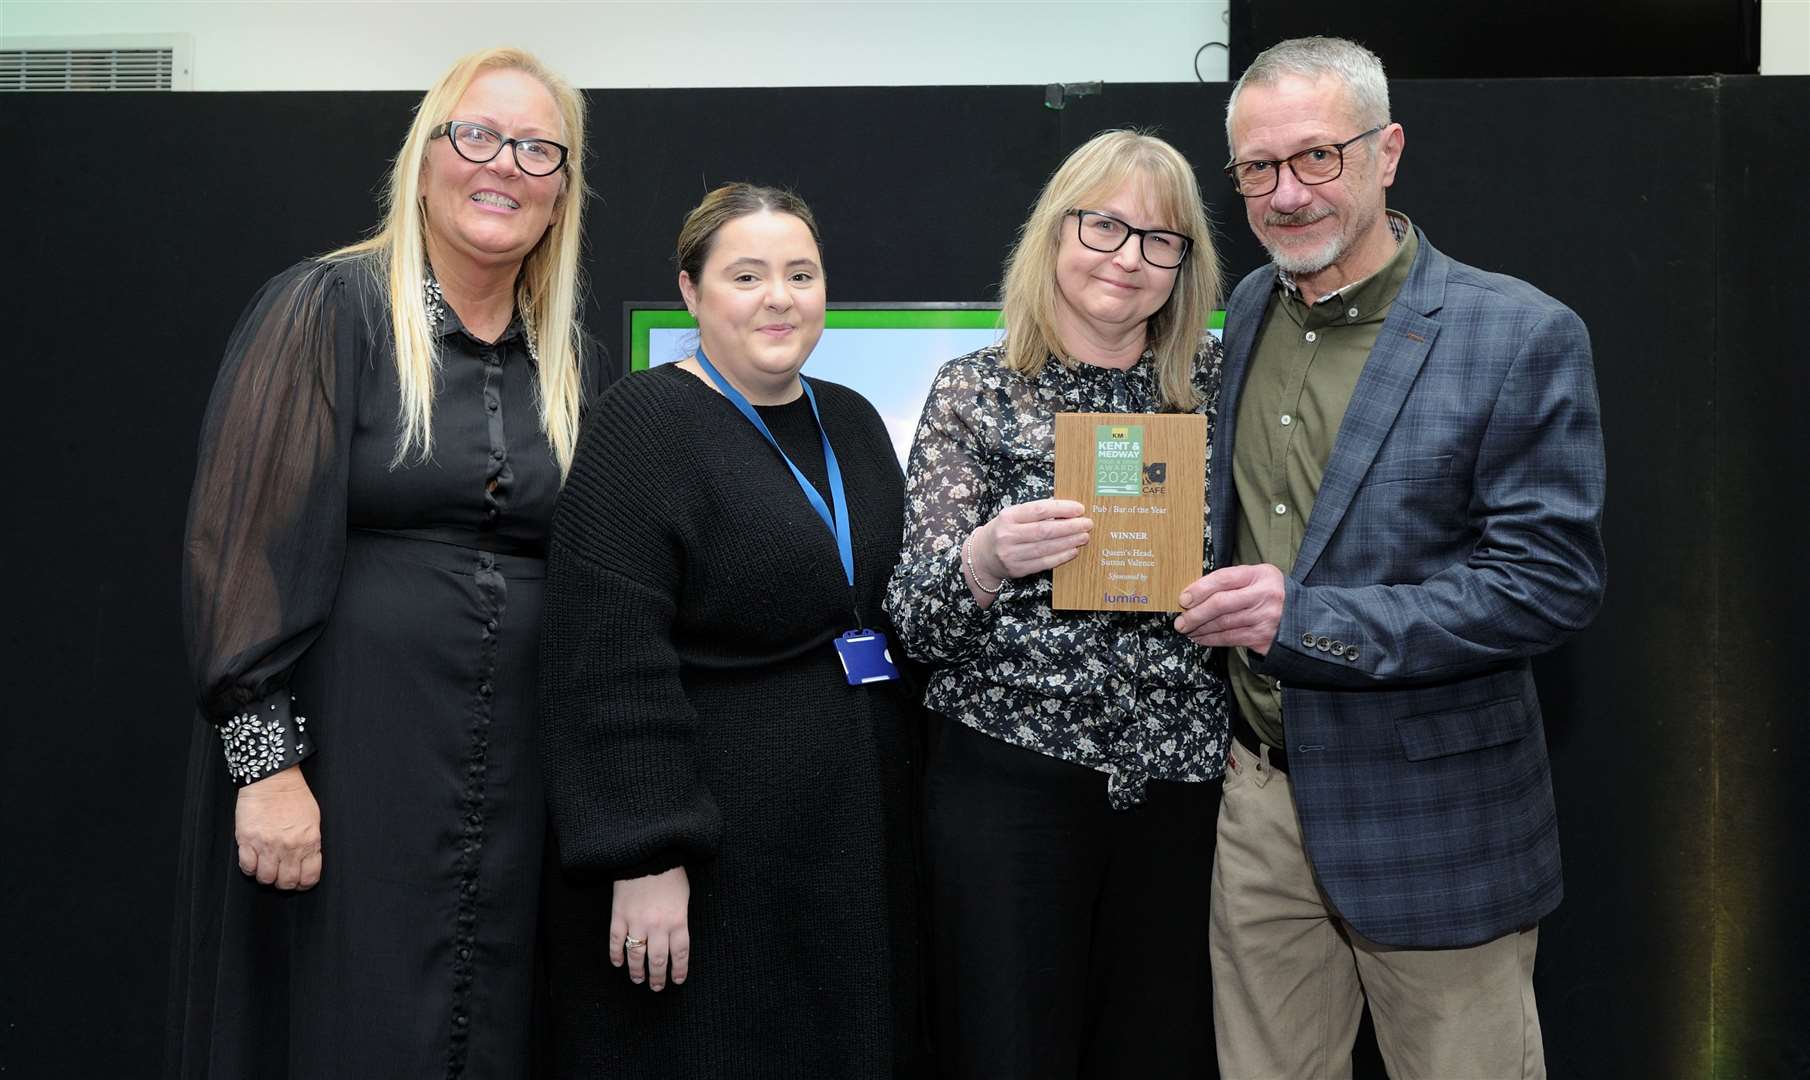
x=1407 y=489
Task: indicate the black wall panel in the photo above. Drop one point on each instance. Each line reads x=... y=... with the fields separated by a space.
x=1659 y=209
x=1431 y=39
x=1760 y=512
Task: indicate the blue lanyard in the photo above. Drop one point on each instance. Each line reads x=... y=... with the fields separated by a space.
x=838 y=525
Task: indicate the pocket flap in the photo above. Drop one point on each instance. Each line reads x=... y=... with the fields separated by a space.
x=1395 y=469
x=1493 y=723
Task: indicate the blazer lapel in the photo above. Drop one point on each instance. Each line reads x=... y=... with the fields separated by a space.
x=1389 y=373
x=1244 y=316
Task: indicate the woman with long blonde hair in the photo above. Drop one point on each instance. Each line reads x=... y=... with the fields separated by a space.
x=362 y=592
x=1072 y=782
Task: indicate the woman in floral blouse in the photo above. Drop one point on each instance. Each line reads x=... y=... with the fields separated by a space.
x=1073 y=781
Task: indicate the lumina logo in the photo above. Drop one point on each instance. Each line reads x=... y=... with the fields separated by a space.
x=1123 y=598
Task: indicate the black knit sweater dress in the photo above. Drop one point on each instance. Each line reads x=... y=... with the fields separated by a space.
x=694 y=713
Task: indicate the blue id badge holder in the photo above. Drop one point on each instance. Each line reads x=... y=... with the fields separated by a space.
x=865 y=658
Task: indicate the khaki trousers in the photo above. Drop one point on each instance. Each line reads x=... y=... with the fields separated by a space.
x=1290 y=978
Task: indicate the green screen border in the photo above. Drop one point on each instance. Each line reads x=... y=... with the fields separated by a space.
x=642 y=320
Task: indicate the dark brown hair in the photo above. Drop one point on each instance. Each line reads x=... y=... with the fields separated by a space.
x=724 y=205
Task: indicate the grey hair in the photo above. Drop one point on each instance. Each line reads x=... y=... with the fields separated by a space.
x=1357 y=68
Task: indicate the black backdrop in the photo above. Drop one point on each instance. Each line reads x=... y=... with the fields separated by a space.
x=1544 y=38
x=1661 y=209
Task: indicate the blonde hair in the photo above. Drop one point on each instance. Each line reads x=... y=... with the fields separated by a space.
x=547 y=290
x=1097 y=169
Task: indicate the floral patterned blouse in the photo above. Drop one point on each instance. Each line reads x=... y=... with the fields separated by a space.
x=1119 y=692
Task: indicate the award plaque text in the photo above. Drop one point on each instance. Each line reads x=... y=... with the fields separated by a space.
x=1141 y=478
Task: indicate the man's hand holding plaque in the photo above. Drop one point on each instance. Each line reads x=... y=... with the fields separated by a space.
x=1234 y=606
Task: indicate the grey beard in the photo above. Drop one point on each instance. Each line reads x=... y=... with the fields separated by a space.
x=1310 y=262
x=1307 y=262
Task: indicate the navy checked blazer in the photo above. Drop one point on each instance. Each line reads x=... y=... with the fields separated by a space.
x=1456 y=535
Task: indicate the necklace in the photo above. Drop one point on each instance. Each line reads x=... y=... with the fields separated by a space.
x=435 y=302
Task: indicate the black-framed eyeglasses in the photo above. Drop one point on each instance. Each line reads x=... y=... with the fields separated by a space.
x=1314 y=165
x=478 y=144
x=1103 y=232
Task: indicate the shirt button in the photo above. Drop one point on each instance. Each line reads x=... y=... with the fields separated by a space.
x=497 y=454
x=1311 y=335
x=1287 y=419
x=1352 y=314
x=1281 y=508
x=490 y=406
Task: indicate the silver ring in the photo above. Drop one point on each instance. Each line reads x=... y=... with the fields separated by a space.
x=633 y=943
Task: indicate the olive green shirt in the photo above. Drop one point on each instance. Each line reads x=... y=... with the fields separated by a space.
x=1303 y=369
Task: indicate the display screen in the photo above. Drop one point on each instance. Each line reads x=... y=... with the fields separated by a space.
x=888 y=353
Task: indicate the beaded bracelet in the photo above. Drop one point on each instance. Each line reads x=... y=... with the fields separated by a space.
x=968 y=559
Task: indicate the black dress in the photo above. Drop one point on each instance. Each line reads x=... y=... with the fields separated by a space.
x=378 y=624
x=695 y=714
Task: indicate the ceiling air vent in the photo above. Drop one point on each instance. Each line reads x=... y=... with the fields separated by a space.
x=125 y=62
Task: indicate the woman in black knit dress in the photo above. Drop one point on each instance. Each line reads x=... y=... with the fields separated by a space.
x=733 y=814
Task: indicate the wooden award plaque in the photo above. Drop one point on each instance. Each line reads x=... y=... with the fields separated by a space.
x=1142 y=478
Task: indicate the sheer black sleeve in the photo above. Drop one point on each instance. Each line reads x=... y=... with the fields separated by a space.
x=267 y=517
